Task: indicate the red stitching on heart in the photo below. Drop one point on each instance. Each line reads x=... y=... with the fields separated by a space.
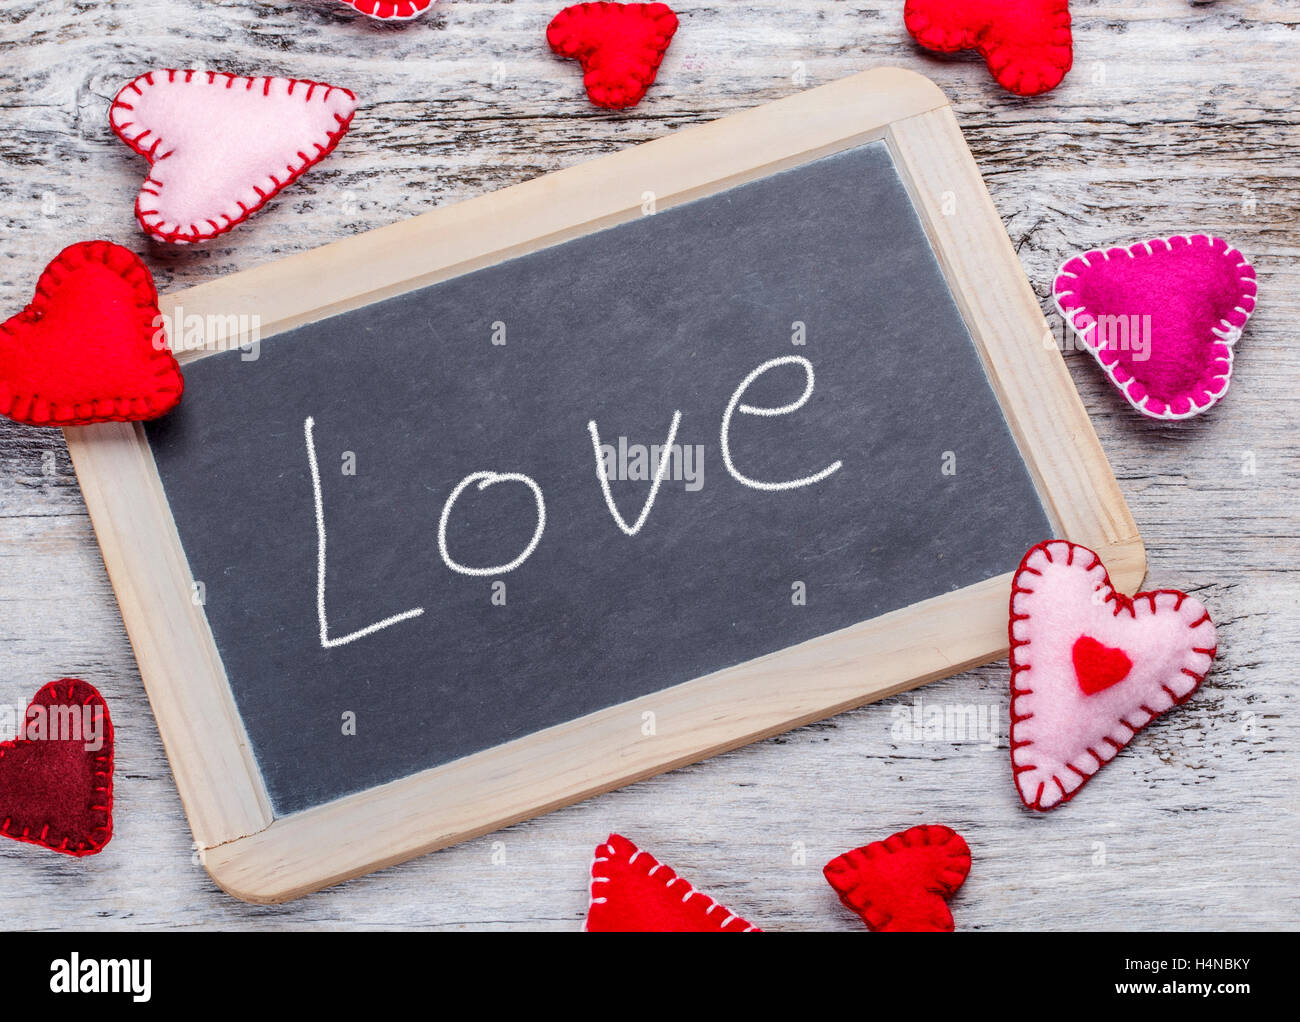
x=196 y=232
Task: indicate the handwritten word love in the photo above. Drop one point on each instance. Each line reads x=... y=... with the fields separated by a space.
x=484 y=479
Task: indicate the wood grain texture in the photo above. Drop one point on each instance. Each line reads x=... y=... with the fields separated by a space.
x=1178 y=116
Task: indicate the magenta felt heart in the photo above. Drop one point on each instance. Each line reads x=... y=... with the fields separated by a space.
x=1091 y=667
x=1161 y=317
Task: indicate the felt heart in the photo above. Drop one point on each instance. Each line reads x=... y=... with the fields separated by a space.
x=902 y=884
x=1067 y=723
x=220 y=146
x=1097 y=666
x=633 y=892
x=390 y=10
x=56 y=778
x=619 y=46
x=89 y=348
x=1161 y=317
x=1025 y=43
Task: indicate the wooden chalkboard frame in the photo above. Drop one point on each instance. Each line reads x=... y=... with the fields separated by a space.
x=257 y=857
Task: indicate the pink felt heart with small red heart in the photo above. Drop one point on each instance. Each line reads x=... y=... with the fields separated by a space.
x=1025 y=43
x=1161 y=318
x=1091 y=667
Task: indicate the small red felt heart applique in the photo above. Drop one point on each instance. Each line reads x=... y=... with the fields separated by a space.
x=220 y=146
x=902 y=884
x=1091 y=667
x=1096 y=666
x=390 y=10
x=1025 y=43
x=633 y=892
x=619 y=46
x=56 y=778
x=1161 y=317
x=90 y=347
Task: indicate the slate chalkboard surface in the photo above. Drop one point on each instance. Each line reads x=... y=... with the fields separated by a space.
x=624 y=327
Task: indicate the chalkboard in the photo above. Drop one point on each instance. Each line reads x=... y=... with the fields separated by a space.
x=411 y=574
x=826 y=266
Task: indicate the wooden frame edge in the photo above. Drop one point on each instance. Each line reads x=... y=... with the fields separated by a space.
x=200 y=726
x=453 y=240
x=1026 y=369
x=444 y=805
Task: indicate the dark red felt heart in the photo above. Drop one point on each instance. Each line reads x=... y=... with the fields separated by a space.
x=90 y=347
x=56 y=778
x=1025 y=43
x=619 y=46
x=1098 y=667
x=902 y=884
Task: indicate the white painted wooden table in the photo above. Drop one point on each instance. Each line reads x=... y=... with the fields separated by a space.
x=1178 y=116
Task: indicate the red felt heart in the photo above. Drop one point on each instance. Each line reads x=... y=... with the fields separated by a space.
x=619 y=46
x=633 y=892
x=56 y=778
x=1096 y=666
x=90 y=347
x=1025 y=43
x=390 y=10
x=902 y=884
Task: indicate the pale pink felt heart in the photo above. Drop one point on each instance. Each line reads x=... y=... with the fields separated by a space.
x=221 y=145
x=1091 y=667
x=1161 y=317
